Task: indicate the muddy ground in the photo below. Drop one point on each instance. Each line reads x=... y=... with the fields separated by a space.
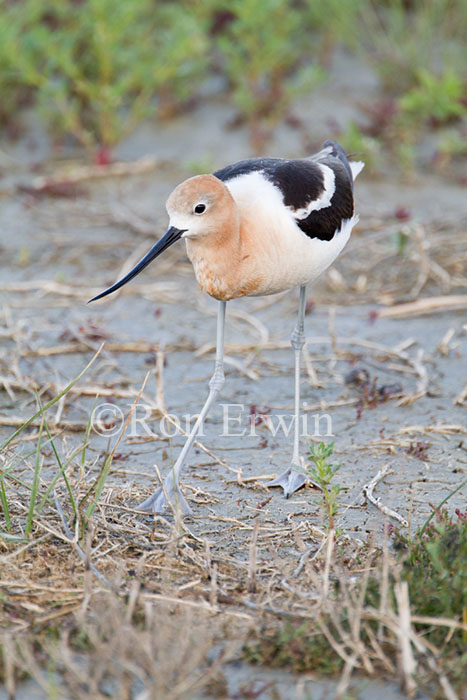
x=78 y=246
x=57 y=252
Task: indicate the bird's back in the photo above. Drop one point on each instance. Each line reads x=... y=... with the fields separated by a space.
x=317 y=191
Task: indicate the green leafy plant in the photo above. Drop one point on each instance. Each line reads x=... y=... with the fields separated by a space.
x=97 y=65
x=263 y=47
x=432 y=562
x=434 y=566
x=435 y=99
x=403 y=40
x=418 y=52
x=322 y=473
x=326 y=34
x=14 y=93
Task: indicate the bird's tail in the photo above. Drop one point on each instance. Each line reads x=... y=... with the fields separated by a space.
x=356 y=166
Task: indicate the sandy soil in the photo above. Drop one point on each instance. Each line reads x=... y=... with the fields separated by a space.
x=77 y=243
x=58 y=252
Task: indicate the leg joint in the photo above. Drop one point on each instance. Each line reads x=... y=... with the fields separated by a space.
x=217 y=380
x=297 y=339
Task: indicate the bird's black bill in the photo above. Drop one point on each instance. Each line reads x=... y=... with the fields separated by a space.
x=172 y=235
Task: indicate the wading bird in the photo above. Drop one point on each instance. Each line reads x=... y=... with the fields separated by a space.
x=257 y=227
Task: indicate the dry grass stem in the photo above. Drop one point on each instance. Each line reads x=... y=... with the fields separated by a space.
x=408 y=663
x=252 y=559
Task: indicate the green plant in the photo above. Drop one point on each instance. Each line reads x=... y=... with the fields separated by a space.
x=326 y=34
x=263 y=48
x=361 y=611
x=403 y=39
x=181 y=53
x=322 y=473
x=434 y=99
x=431 y=102
x=434 y=566
x=418 y=51
x=96 y=65
x=13 y=92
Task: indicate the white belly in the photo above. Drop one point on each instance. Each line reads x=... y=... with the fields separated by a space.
x=299 y=260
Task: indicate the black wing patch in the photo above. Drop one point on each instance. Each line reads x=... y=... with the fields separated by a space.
x=251 y=165
x=302 y=182
x=324 y=223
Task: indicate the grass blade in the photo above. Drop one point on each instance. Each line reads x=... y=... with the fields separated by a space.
x=50 y=488
x=35 y=483
x=4 y=502
x=86 y=435
x=51 y=402
x=98 y=485
x=436 y=510
x=59 y=461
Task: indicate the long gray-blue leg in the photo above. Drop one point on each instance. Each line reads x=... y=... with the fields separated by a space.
x=291 y=479
x=157 y=503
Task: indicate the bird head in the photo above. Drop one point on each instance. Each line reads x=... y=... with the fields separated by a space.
x=199 y=208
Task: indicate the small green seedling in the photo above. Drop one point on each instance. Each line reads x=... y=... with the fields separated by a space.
x=322 y=473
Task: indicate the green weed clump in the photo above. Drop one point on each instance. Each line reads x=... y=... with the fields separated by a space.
x=342 y=30
x=361 y=612
x=434 y=563
x=402 y=40
x=96 y=68
x=97 y=65
x=41 y=495
x=14 y=93
x=266 y=60
x=418 y=51
x=435 y=99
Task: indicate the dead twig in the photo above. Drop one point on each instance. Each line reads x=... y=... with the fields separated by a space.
x=368 y=494
x=94 y=172
x=427 y=305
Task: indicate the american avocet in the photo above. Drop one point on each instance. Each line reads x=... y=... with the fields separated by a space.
x=260 y=226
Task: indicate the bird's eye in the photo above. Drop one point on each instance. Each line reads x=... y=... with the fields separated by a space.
x=200 y=209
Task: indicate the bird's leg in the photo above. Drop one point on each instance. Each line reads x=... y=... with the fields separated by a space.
x=157 y=503
x=291 y=479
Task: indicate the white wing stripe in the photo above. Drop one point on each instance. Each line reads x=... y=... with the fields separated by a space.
x=324 y=200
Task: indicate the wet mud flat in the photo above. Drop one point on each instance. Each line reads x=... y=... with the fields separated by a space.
x=384 y=381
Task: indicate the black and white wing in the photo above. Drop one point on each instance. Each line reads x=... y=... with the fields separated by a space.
x=317 y=191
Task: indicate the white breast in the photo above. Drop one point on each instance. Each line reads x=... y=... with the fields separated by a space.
x=286 y=256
